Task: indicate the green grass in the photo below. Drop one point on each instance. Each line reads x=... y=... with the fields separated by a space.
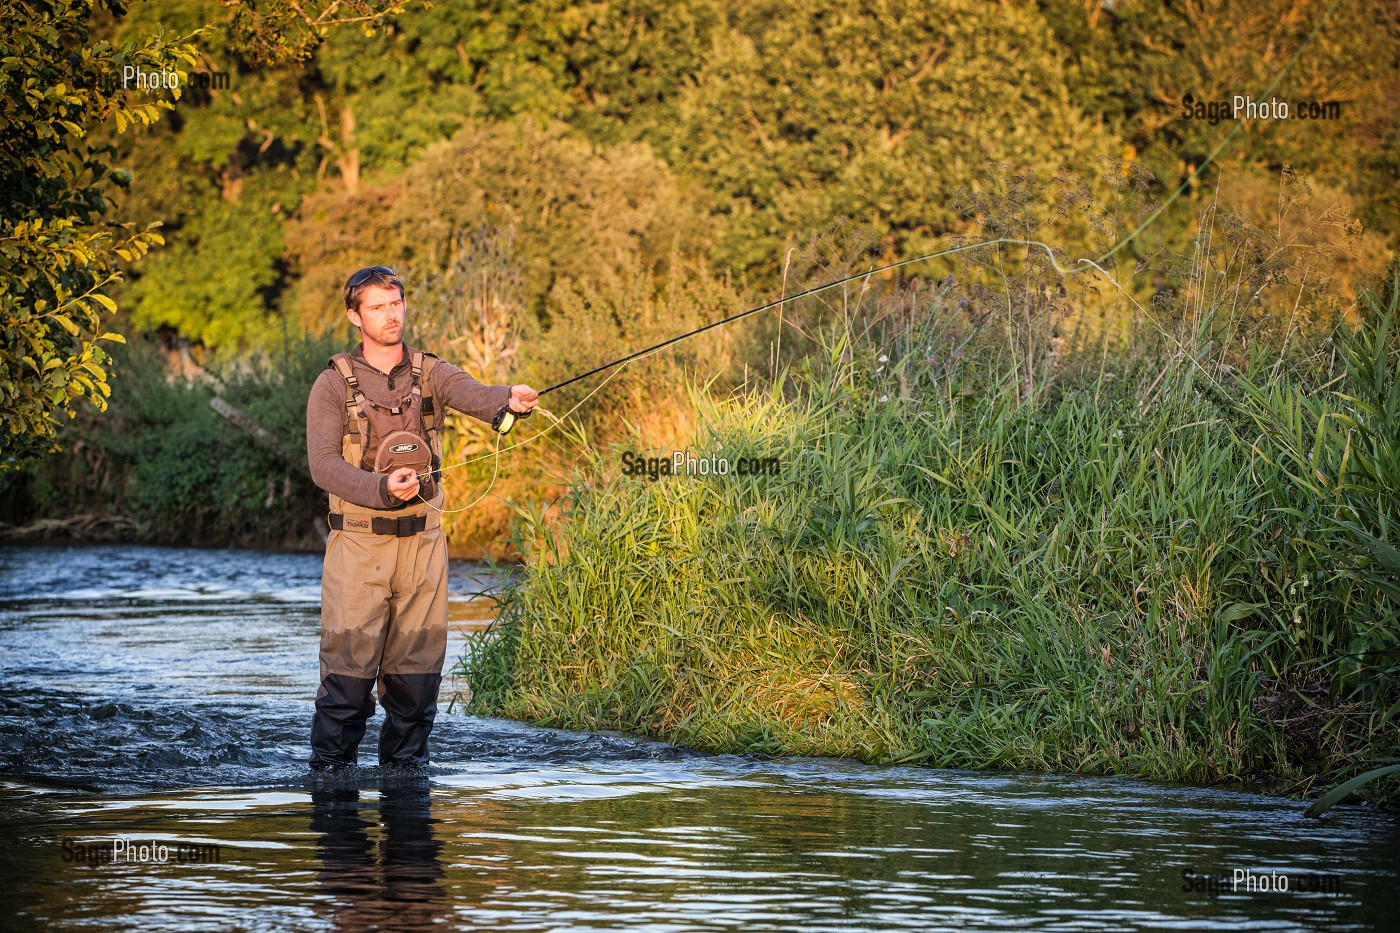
x=1121 y=574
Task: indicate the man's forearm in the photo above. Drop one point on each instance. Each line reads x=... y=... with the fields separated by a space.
x=461 y=391
x=350 y=483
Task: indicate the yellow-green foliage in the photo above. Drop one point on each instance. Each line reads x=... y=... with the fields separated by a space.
x=771 y=119
x=56 y=263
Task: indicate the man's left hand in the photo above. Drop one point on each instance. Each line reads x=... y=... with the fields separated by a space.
x=523 y=399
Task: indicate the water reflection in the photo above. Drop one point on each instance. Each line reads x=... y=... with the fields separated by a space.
x=381 y=862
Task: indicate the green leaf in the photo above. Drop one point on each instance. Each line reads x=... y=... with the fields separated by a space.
x=1330 y=799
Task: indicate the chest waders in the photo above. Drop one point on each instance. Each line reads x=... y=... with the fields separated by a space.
x=384 y=585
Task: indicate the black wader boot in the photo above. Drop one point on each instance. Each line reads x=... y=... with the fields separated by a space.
x=343 y=704
x=410 y=706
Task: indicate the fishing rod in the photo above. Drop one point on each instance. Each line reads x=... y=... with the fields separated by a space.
x=507 y=417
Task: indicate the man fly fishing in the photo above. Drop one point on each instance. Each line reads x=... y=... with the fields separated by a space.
x=371 y=437
x=372 y=423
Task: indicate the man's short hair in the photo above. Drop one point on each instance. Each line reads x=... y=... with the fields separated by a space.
x=355 y=286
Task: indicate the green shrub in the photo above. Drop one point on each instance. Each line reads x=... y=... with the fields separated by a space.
x=162 y=465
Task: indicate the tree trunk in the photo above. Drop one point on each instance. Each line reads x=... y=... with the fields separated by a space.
x=349 y=161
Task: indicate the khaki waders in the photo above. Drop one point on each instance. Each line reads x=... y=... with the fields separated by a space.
x=384 y=620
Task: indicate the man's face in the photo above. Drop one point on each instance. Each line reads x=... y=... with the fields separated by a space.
x=381 y=315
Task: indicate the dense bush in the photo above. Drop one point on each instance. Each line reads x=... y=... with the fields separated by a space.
x=162 y=465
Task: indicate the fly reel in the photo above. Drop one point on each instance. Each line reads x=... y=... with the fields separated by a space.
x=506 y=418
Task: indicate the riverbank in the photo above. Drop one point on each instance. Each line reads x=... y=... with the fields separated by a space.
x=94 y=528
x=1127 y=573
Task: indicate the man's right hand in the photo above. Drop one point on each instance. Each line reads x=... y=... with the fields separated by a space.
x=403 y=484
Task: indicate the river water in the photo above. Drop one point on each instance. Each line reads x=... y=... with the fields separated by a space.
x=156 y=704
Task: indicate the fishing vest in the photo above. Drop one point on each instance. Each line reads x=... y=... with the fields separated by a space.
x=383 y=438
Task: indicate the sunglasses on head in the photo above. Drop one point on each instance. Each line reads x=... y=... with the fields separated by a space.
x=364 y=275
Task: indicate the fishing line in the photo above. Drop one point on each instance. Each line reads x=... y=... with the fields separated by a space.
x=1080 y=265
x=495 y=467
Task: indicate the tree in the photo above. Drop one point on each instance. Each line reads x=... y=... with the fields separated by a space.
x=796 y=113
x=57 y=259
x=74 y=76
x=1131 y=64
x=227 y=169
x=270 y=33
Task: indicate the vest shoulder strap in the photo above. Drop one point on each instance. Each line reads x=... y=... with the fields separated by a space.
x=341 y=364
x=429 y=360
x=354 y=398
x=423 y=364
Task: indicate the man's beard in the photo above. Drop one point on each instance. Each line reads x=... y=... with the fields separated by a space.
x=381 y=338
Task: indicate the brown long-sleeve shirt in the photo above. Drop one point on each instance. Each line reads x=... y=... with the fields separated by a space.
x=327 y=420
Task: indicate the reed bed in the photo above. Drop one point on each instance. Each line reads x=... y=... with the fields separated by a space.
x=1155 y=567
